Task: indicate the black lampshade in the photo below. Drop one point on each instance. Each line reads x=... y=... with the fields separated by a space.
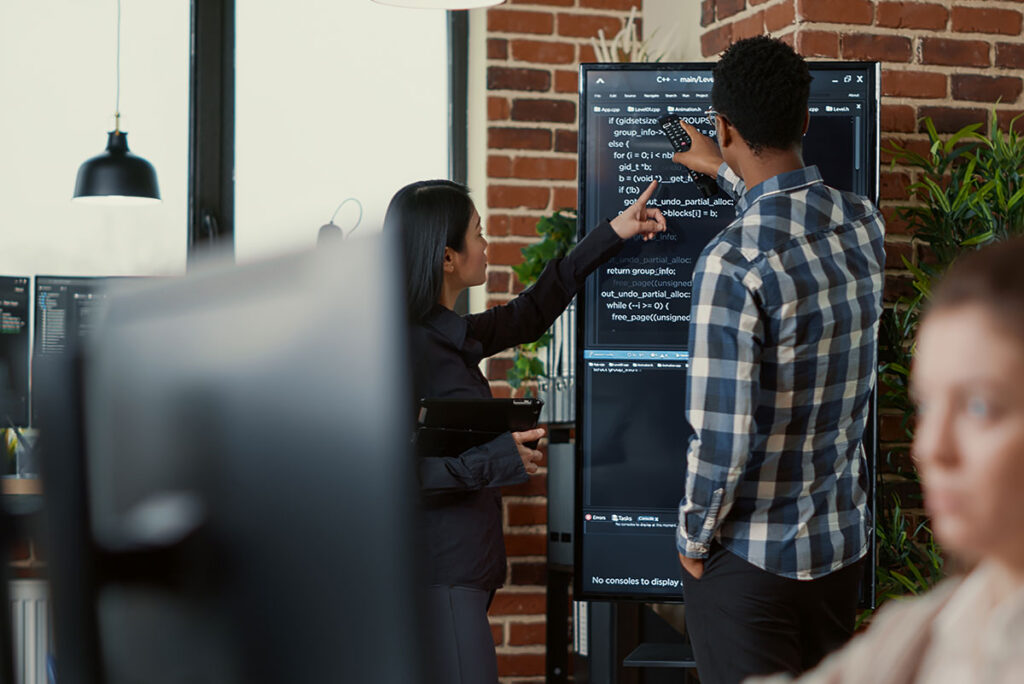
x=117 y=175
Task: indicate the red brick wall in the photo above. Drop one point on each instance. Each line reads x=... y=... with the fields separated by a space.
x=533 y=50
x=948 y=59
x=951 y=60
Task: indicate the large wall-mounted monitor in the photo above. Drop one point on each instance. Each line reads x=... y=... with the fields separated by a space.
x=634 y=312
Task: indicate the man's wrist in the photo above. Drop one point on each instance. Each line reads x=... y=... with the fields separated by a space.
x=692 y=550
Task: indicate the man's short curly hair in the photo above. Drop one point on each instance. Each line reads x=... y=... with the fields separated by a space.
x=761 y=86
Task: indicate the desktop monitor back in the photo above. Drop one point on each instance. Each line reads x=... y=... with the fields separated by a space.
x=230 y=489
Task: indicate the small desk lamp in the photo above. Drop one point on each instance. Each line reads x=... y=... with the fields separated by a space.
x=330 y=231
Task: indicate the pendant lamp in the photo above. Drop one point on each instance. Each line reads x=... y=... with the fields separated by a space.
x=441 y=4
x=117 y=176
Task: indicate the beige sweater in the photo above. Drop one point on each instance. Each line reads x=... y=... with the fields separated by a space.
x=952 y=619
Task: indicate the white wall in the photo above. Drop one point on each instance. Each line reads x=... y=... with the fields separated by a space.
x=57 y=79
x=334 y=100
x=673 y=29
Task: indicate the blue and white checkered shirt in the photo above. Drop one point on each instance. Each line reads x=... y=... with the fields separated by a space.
x=783 y=339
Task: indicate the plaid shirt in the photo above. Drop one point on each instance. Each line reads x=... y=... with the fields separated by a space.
x=783 y=339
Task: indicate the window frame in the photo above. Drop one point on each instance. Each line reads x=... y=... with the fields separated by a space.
x=211 y=163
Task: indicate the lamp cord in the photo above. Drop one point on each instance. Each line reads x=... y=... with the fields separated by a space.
x=117 y=96
x=343 y=203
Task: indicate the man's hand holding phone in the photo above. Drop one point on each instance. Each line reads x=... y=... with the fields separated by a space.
x=703 y=155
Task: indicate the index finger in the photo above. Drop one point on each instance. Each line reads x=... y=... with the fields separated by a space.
x=646 y=194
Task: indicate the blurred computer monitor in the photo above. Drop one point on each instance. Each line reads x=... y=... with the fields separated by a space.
x=65 y=311
x=14 y=336
x=234 y=446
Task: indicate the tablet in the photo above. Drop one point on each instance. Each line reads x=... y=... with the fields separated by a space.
x=445 y=442
x=485 y=415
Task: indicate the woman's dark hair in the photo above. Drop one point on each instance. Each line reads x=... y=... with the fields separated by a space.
x=761 y=86
x=993 y=278
x=428 y=216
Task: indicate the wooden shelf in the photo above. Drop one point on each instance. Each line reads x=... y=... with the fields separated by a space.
x=22 y=485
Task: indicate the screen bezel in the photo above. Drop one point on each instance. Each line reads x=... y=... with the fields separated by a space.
x=873 y=72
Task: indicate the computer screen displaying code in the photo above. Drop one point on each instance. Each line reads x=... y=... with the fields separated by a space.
x=632 y=358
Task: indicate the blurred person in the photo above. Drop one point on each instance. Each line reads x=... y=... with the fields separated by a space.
x=967 y=383
x=774 y=522
x=444 y=252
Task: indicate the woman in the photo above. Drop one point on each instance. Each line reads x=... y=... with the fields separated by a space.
x=968 y=385
x=444 y=253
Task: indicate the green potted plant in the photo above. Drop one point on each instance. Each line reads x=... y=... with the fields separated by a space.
x=558 y=237
x=969 y=193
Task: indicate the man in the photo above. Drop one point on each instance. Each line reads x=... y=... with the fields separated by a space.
x=786 y=301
